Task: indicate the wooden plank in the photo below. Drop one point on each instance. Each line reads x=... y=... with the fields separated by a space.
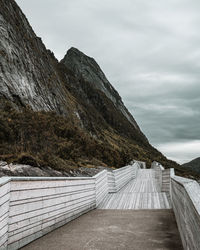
x=186 y=206
x=139 y=193
x=4 y=211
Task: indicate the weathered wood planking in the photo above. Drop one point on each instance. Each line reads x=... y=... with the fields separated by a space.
x=4 y=211
x=141 y=193
x=163 y=176
x=136 y=201
x=124 y=175
x=111 y=182
x=120 y=177
x=166 y=180
x=185 y=195
x=101 y=185
x=38 y=206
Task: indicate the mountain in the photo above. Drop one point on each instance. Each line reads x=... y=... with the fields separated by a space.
x=193 y=165
x=62 y=115
x=86 y=68
x=27 y=70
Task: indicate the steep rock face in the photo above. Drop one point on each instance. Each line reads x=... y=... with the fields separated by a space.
x=31 y=76
x=86 y=67
x=193 y=165
x=102 y=105
x=27 y=69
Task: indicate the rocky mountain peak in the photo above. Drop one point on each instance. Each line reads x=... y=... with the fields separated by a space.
x=87 y=68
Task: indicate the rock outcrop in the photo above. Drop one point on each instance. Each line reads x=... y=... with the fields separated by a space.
x=27 y=170
x=87 y=68
x=27 y=68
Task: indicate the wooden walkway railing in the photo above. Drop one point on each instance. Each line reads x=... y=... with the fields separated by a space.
x=140 y=193
x=32 y=207
x=185 y=199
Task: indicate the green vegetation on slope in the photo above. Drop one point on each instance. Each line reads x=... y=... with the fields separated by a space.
x=46 y=139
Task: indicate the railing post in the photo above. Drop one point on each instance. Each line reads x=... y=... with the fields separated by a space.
x=166 y=179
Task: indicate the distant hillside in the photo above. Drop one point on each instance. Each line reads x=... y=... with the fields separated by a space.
x=193 y=165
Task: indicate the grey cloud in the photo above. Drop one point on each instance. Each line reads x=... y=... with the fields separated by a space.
x=149 y=51
x=182 y=151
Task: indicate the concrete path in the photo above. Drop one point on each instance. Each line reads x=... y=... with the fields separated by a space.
x=140 y=193
x=115 y=230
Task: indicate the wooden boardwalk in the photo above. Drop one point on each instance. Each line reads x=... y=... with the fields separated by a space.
x=121 y=221
x=141 y=193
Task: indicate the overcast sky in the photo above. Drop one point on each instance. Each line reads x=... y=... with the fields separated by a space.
x=150 y=52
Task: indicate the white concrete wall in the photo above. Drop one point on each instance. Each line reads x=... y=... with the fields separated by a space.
x=185 y=195
x=32 y=206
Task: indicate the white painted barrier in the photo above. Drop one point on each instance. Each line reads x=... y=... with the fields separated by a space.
x=32 y=206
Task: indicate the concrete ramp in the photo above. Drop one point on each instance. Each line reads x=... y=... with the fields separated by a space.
x=115 y=230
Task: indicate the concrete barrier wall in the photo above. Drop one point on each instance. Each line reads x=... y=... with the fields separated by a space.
x=4 y=211
x=31 y=206
x=185 y=196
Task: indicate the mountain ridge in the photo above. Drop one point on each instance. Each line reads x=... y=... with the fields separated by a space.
x=193 y=165
x=64 y=115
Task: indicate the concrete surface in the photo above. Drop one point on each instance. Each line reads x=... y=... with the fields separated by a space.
x=115 y=230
